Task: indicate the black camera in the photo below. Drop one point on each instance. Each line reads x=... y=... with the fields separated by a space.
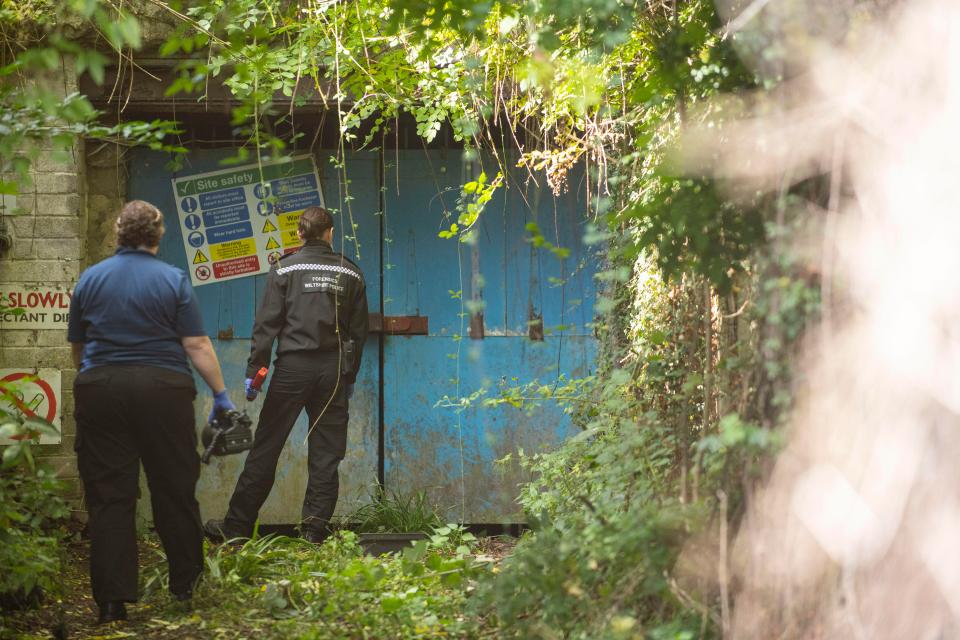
x=229 y=432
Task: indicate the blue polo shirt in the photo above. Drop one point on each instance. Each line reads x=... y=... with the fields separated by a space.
x=133 y=308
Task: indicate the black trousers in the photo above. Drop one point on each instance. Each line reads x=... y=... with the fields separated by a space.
x=302 y=382
x=127 y=415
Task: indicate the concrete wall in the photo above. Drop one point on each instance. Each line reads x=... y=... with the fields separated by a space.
x=106 y=192
x=47 y=251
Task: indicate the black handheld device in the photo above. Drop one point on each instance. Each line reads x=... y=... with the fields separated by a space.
x=229 y=432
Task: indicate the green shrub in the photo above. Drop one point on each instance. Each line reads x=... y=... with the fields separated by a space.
x=31 y=512
x=604 y=541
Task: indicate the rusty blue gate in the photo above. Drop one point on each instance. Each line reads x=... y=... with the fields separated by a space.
x=453 y=325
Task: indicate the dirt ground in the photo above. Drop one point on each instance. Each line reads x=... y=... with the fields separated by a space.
x=75 y=616
x=159 y=618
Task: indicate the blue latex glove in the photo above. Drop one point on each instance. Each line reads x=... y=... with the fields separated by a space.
x=221 y=401
x=249 y=391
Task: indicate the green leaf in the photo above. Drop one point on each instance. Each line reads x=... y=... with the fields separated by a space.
x=389 y=604
x=129 y=29
x=12 y=453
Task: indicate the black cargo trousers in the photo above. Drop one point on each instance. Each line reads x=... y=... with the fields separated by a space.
x=304 y=380
x=127 y=415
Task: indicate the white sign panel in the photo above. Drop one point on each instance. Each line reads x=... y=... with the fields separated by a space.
x=238 y=222
x=26 y=307
x=33 y=393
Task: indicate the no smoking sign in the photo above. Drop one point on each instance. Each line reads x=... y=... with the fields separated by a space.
x=33 y=393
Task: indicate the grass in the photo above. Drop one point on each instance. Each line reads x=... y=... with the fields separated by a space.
x=275 y=587
x=287 y=588
x=390 y=512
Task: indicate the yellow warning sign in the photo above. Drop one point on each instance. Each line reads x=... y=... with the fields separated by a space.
x=291 y=239
x=233 y=249
x=272 y=243
x=268 y=226
x=199 y=258
x=289 y=220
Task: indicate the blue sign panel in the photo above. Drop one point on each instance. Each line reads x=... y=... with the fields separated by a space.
x=226 y=215
x=192 y=222
x=230 y=232
x=222 y=198
x=299 y=201
x=195 y=239
x=295 y=184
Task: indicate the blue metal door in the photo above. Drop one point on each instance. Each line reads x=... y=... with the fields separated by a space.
x=408 y=389
x=433 y=441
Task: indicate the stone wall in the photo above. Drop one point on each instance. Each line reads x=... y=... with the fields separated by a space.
x=47 y=233
x=106 y=193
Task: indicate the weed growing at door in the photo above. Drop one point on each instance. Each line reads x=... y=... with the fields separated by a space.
x=390 y=512
x=279 y=587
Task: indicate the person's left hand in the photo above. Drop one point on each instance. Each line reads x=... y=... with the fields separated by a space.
x=221 y=402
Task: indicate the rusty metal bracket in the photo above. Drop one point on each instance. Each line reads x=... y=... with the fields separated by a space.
x=476 y=326
x=399 y=325
x=535 y=325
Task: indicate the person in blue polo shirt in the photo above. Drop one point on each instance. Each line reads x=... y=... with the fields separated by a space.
x=134 y=323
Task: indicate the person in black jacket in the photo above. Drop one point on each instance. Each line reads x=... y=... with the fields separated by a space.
x=315 y=304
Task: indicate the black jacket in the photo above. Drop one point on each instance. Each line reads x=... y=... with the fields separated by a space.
x=309 y=295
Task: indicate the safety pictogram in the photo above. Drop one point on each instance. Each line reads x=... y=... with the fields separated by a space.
x=33 y=394
x=272 y=243
x=199 y=258
x=268 y=226
x=202 y=272
x=195 y=239
x=189 y=204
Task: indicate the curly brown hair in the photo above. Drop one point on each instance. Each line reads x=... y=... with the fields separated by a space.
x=314 y=222
x=140 y=224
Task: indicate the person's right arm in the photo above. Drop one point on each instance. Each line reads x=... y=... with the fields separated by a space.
x=76 y=333
x=198 y=347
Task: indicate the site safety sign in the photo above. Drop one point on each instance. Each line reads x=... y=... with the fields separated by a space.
x=33 y=393
x=238 y=222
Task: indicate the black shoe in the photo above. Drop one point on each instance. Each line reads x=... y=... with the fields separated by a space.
x=183 y=602
x=315 y=537
x=217 y=532
x=111 y=611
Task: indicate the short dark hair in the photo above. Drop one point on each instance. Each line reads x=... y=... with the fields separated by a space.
x=314 y=222
x=139 y=224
